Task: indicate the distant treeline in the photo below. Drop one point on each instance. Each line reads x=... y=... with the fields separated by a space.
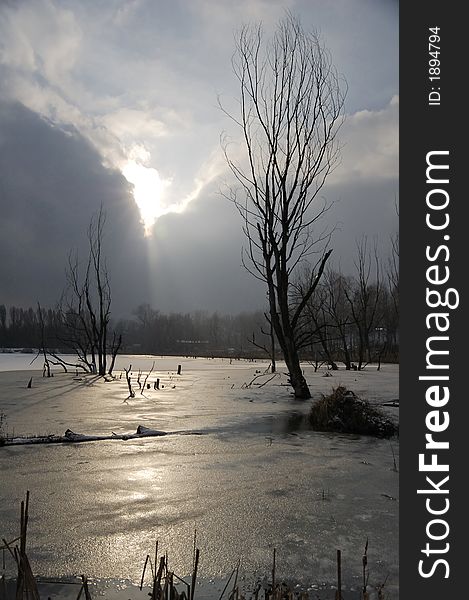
x=348 y=320
x=149 y=331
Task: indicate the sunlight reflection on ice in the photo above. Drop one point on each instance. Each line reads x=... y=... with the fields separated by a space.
x=251 y=482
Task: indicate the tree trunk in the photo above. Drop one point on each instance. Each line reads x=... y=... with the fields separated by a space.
x=327 y=353
x=115 y=350
x=272 y=348
x=297 y=379
x=347 y=357
x=361 y=352
x=289 y=349
x=347 y=360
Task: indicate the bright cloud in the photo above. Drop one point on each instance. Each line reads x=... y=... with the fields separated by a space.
x=370 y=145
x=148 y=190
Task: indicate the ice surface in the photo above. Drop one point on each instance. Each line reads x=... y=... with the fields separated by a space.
x=254 y=478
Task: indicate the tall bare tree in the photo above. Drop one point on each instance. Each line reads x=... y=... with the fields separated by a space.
x=86 y=305
x=393 y=284
x=336 y=286
x=364 y=296
x=291 y=103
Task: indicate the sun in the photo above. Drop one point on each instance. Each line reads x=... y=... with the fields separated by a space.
x=149 y=190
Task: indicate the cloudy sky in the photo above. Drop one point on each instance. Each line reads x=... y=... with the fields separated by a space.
x=115 y=103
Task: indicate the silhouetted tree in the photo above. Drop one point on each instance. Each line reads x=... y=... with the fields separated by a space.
x=339 y=313
x=3 y=325
x=364 y=296
x=86 y=305
x=291 y=102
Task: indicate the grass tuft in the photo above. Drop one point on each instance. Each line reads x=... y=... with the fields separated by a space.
x=342 y=411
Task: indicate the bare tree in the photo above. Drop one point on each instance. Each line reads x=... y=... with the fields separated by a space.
x=392 y=325
x=3 y=317
x=364 y=297
x=291 y=101
x=270 y=348
x=49 y=355
x=86 y=305
x=321 y=331
x=337 y=308
x=393 y=286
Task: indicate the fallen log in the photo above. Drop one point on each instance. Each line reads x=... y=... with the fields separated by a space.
x=73 y=437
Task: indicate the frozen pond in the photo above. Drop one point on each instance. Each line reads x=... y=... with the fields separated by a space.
x=238 y=466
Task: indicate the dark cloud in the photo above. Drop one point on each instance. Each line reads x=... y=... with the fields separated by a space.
x=51 y=184
x=197 y=259
x=359 y=211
